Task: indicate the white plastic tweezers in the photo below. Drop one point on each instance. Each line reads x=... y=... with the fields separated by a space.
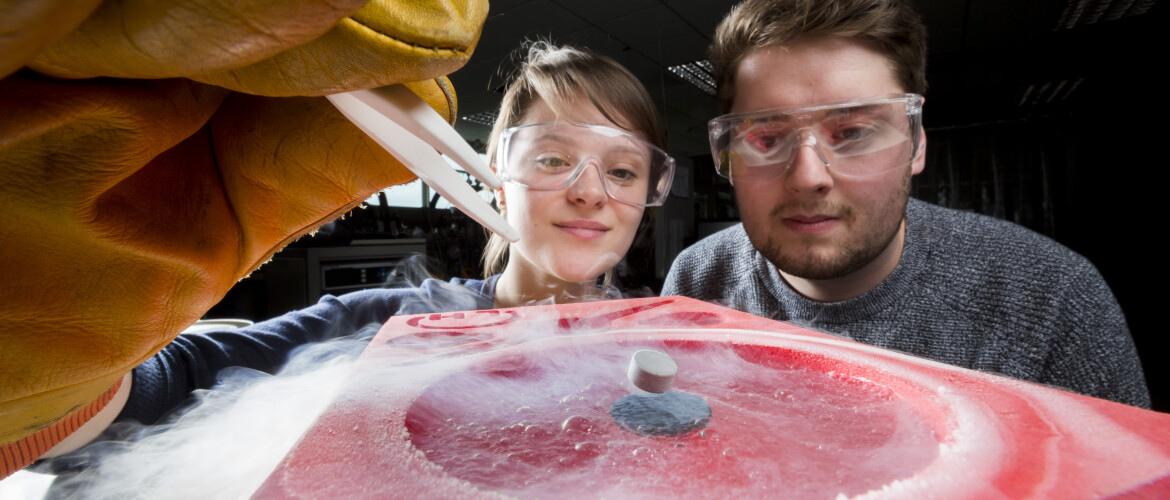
x=409 y=129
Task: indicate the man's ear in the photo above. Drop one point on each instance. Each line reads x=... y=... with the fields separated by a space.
x=919 y=161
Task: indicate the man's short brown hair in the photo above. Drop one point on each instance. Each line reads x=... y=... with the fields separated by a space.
x=891 y=27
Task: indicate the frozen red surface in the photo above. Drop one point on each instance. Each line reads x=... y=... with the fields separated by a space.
x=515 y=402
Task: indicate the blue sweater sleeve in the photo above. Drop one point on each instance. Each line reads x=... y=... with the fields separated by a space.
x=192 y=361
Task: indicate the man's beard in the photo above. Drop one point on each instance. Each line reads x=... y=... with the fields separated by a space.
x=862 y=246
x=848 y=258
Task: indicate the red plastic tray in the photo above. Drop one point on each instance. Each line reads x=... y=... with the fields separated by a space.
x=515 y=402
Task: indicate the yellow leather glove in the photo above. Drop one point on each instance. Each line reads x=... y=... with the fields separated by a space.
x=308 y=47
x=125 y=218
x=130 y=207
x=28 y=26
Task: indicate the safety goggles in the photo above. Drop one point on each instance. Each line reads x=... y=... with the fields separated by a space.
x=855 y=138
x=551 y=156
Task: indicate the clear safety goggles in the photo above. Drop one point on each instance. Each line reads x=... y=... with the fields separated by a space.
x=551 y=156
x=855 y=138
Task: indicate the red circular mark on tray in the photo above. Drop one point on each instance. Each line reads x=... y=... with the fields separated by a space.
x=434 y=341
x=537 y=425
x=463 y=320
x=682 y=319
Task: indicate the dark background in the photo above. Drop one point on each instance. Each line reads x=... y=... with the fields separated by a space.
x=1042 y=112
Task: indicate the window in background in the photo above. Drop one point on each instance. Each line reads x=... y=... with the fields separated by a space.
x=415 y=194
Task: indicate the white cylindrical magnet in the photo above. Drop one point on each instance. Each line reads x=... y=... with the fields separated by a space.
x=652 y=371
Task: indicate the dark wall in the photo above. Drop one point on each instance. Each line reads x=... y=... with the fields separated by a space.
x=1065 y=178
x=1072 y=161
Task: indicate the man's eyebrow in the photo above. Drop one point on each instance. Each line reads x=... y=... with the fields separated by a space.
x=860 y=108
x=778 y=118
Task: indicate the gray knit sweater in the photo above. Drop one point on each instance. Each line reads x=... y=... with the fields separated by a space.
x=970 y=290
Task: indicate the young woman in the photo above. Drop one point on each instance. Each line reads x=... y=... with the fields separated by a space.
x=580 y=148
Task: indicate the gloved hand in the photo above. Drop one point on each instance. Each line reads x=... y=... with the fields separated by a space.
x=131 y=206
x=262 y=47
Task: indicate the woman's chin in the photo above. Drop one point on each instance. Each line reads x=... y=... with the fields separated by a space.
x=586 y=270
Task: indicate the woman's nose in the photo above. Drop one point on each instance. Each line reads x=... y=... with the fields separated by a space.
x=589 y=188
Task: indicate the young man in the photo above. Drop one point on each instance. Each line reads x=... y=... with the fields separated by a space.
x=822 y=134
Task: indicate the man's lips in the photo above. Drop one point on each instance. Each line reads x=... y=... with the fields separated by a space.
x=811 y=224
x=583 y=228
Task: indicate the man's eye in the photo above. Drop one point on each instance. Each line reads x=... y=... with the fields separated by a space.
x=851 y=134
x=762 y=141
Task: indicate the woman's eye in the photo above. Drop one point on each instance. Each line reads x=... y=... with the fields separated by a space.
x=552 y=162
x=622 y=174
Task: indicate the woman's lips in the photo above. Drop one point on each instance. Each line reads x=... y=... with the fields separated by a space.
x=584 y=229
x=810 y=224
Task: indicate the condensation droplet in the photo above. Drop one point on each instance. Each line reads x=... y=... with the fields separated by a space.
x=577 y=423
x=589 y=449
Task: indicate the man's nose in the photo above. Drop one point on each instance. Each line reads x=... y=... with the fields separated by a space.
x=589 y=188
x=809 y=170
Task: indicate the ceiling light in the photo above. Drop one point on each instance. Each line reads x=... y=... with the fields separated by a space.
x=1086 y=12
x=1047 y=92
x=485 y=118
x=698 y=73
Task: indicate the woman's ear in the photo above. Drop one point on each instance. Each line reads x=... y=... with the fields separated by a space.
x=500 y=190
